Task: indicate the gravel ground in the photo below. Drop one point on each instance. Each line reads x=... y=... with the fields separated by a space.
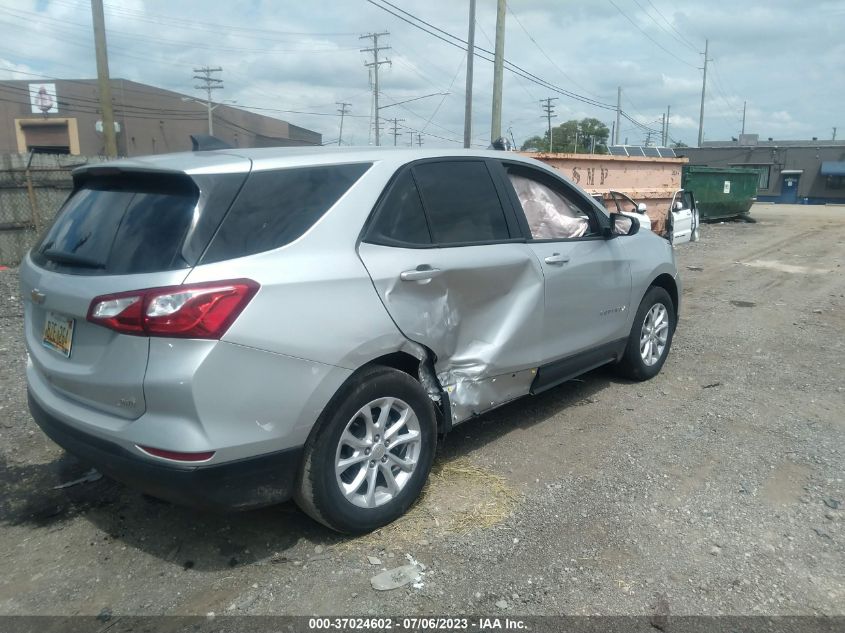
x=716 y=488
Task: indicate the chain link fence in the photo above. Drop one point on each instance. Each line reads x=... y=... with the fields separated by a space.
x=32 y=188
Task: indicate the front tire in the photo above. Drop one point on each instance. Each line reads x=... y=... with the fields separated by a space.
x=651 y=336
x=370 y=452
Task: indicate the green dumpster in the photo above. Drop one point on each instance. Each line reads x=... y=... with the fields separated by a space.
x=721 y=192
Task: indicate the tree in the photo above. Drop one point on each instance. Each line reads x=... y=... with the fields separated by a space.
x=536 y=144
x=678 y=144
x=572 y=136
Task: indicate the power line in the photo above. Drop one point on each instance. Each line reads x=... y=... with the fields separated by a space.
x=650 y=38
x=64 y=25
x=664 y=29
x=462 y=45
x=199 y=25
x=83 y=101
x=543 y=52
x=672 y=26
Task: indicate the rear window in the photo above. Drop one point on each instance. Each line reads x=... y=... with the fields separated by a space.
x=276 y=207
x=121 y=225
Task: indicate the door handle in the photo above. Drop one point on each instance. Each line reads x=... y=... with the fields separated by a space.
x=420 y=273
x=556 y=259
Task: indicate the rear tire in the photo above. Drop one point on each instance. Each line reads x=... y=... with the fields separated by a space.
x=370 y=452
x=650 y=338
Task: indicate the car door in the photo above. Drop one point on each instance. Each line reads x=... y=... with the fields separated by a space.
x=587 y=275
x=682 y=217
x=626 y=206
x=450 y=265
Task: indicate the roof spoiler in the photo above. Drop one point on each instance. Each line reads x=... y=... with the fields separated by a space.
x=204 y=142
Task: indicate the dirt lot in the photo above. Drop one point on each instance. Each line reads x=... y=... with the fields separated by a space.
x=715 y=488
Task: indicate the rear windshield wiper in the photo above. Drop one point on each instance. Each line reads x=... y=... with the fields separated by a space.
x=69 y=259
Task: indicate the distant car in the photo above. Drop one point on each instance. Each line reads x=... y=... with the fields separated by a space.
x=682 y=223
x=232 y=328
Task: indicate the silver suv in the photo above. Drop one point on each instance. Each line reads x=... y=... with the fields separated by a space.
x=234 y=328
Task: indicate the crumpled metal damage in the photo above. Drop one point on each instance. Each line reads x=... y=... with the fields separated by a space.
x=471 y=396
x=480 y=314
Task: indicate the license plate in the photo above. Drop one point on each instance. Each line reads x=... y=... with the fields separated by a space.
x=58 y=333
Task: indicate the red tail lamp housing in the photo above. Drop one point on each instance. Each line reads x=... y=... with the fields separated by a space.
x=202 y=310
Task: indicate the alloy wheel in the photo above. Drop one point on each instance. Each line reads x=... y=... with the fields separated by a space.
x=378 y=452
x=654 y=334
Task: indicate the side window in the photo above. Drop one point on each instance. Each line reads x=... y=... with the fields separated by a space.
x=275 y=207
x=461 y=202
x=400 y=216
x=550 y=214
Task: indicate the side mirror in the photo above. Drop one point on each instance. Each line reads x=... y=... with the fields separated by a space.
x=641 y=208
x=623 y=225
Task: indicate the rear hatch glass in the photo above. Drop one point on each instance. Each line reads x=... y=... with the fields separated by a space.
x=135 y=223
x=115 y=233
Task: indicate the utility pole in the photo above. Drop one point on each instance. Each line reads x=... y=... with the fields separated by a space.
x=209 y=83
x=419 y=139
x=549 y=109
x=668 y=114
x=663 y=131
x=498 y=72
x=576 y=141
x=470 y=58
x=342 y=110
x=613 y=133
x=375 y=66
x=395 y=130
x=703 y=90
x=618 y=113
x=744 y=103
x=103 y=81
x=834 y=134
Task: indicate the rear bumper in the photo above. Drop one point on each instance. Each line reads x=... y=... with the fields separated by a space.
x=238 y=485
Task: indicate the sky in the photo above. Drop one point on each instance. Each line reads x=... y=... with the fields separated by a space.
x=296 y=60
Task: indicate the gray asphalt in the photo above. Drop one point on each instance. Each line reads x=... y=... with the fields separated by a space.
x=715 y=488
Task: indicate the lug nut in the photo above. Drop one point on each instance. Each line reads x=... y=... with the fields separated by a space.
x=366 y=451
x=372 y=463
x=384 y=459
x=377 y=438
x=387 y=442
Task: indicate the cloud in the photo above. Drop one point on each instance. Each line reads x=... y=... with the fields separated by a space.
x=781 y=58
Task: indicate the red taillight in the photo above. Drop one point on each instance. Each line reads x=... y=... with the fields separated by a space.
x=204 y=310
x=177 y=456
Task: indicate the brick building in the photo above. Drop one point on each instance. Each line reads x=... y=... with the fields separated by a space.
x=62 y=116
